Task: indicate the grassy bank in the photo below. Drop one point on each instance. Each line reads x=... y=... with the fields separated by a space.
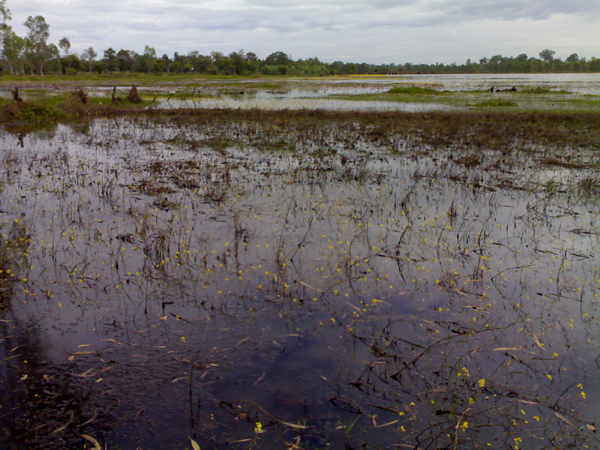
x=499 y=129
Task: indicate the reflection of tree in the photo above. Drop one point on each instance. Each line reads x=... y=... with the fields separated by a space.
x=42 y=405
x=13 y=256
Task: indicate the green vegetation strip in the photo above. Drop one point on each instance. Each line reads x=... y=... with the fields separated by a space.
x=499 y=129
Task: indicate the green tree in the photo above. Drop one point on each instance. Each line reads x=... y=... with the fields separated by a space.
x=251 y=63
x=166 y=63
x=126 y=60
x=13 y=50
x=547 y=55
x=110 y=59
x=146 y=63
x=89 y=56
x=237 y=61
x=39 y=52
x=65 y=45
x=201 y=63
x=522 y=57
x=71 y=64
x=278 y=59
x=4 y=11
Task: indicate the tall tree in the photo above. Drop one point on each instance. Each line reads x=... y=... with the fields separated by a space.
x=4 y=11
x=110 y=59
x=547 y=55
x=37 y=37
x=166 y=63
x=89 y=56
x=65 y=45
x=13 y=50
x=126 y=60
x=277 y=59
x=146 y=63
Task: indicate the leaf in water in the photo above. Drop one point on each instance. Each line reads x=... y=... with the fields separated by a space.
x=88 y=373
x=563 y=418
x=195 y=445
x=93 y=441
x=294 y=426
x=58 y=430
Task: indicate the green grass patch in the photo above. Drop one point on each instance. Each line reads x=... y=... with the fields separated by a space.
x=497 y=102
x=414 y=90
x=44 y=111
x=542 y=90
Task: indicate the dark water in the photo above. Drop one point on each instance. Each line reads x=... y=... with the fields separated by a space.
x=158 y=288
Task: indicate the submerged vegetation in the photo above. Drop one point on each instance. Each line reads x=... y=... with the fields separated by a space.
x=230 y=278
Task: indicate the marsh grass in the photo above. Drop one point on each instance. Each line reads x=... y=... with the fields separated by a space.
x=414 y=90
x=523 y=99
x=76 y=106
x=543 y=91
x=498 y=102
x=590 y=186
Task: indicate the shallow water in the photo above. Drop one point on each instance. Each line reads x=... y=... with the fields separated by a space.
x=314 y=103
x=155 y=288
x=582 y=83
x=319 y=93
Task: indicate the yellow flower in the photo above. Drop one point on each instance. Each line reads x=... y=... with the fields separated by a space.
x=258 y=428
x=464 y=425
x=482 y=383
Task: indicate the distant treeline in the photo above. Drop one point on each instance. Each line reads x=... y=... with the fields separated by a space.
x=33 y=54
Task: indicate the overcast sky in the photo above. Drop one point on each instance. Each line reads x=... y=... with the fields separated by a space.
x=373 y=31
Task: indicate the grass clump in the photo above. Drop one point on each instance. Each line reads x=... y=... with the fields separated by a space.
x=498 y=102
x=551 y=161
x=542 y=90
x=44 y=111
x=413 y=90
x=589 y=187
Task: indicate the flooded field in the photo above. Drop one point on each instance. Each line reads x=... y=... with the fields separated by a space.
x=175 y=284
x=374 y=93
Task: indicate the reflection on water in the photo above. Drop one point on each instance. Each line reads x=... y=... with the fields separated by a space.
x=583 y=83
x=273 y=102
x=308 y=93
x=343 y=292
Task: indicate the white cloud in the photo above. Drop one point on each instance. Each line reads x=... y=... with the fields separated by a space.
x=350 y=30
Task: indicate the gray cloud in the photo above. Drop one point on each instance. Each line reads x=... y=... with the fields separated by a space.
x=372 y=29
